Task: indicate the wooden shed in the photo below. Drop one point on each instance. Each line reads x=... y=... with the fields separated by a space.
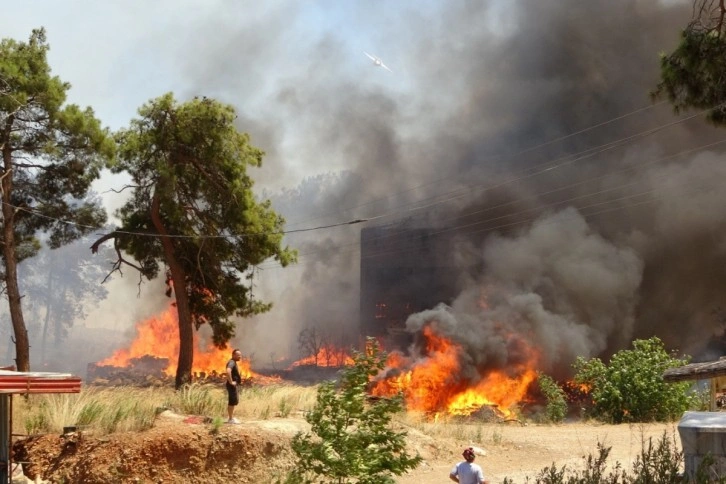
x=714 y=371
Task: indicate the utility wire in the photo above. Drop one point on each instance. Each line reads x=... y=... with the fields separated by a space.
x=494 y=158
x=535 y=197
x=181 y=236
x=555 y=164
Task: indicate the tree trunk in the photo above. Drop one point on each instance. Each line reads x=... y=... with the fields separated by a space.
x=184 y=315
x=22 y=345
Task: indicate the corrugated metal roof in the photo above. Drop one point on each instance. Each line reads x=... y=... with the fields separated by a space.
x=38 y=382
x=696 y=371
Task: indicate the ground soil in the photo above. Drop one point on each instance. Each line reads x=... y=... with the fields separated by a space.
x=190 y=449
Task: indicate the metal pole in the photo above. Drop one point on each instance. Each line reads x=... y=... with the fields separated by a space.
x=5 y=433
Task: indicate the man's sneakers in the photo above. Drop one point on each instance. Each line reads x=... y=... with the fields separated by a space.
x=233 y=421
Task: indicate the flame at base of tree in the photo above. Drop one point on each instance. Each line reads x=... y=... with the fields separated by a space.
x=435 y=383
x=158 y=336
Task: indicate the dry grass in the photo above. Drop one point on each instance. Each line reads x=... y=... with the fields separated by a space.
x=104 y=410
x=275 y=401
x=466 y=429
x=112 y=409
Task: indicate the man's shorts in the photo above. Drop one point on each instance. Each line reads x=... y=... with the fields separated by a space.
x=232 y=394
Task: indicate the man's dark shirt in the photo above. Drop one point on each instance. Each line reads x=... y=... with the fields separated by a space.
x=235 y=371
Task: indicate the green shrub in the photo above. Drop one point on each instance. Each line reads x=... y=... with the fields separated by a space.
x=90 y=412
x=659 y=462
x=556 y=408
x=351 y=439
x=217 y=423
x=631 y=388
x=195 y=399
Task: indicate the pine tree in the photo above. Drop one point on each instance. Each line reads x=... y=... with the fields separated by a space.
x=192 y=210
x=51 y=153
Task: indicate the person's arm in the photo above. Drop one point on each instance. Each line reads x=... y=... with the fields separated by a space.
x=229 y=376
x=453 y=477
x=482 y=479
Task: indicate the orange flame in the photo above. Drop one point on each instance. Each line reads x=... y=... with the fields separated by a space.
x=159 y=336
x=326 y=356
x=433 y=384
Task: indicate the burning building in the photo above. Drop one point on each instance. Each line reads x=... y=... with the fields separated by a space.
x=549 y=293
x=403 y=271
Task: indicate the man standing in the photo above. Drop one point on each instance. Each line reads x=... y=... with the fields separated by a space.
x=466 y=472
x=234 y=380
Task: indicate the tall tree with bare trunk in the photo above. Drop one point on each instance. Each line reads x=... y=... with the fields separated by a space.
x=51 y=153
x=192 y=210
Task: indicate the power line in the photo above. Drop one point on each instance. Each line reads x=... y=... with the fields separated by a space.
x=535 y=196
x=181 y=236
x=555 y=164
x=495 y=158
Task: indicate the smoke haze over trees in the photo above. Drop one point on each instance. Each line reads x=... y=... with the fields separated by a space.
x=588 y=241
x=588 y=238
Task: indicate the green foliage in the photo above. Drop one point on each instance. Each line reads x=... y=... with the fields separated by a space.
x=189 y=165
x=90 y=412
x=351 y=439
x=660 y=462
x=53 y=151
x=35 y=424
x=285 y=407
x=692 y=75
x=631 y=387
x=195 y=399
x=594 y=472
x=556 y=408
x=102 y=411
x=701 y=401
x=217 y=423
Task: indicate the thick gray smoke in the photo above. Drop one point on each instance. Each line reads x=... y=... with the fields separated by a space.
x=581 y=239
x=558 y=286
x=619 y=239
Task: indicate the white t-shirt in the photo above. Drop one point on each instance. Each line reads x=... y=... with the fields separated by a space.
x=468 y=473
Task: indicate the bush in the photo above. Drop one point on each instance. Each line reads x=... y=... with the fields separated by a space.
x=660 y=462
x=351 y=439
x=631 y=388
x=556 y=408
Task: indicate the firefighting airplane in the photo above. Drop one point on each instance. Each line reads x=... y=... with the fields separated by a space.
x=377 y=61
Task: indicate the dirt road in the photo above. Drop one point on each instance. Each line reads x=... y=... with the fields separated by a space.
x=517 y=451
x=182 y=449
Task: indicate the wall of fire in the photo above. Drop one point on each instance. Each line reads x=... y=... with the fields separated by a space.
x=403 y=271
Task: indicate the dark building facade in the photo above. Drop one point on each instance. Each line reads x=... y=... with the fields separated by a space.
x=403 y=271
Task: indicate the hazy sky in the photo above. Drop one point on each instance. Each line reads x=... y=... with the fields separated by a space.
x=117 y=55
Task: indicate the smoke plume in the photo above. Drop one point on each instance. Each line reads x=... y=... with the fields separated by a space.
x=582 y=243
x=583 y=214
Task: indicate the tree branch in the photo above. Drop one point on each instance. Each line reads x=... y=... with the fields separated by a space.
x=120 y=261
